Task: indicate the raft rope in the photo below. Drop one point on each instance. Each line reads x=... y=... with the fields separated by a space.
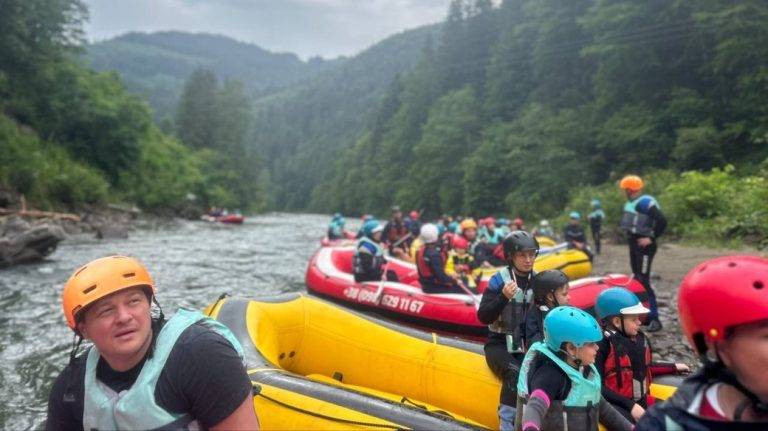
x=407 y=400
x=257 y=391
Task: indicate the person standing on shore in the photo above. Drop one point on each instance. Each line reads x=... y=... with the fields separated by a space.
x=595 y=223
x=644 y=223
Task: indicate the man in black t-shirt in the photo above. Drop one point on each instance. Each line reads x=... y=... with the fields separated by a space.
x=144 y=372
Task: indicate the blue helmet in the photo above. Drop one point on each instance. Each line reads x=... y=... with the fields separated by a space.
x=575 y=215
x=595 y=203
x=572 y=325
x=337 y=216
x=617 y=301
x=372 y=226
x=441 y=229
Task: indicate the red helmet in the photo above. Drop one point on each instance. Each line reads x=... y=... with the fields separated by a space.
x=460 y=242
x=518 y=222
x=722 y=293
x=414 y=215
x=490 y=221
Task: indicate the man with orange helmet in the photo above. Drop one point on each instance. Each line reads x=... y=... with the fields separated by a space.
x=644 y=223
x=723 y=309
x=145 y=372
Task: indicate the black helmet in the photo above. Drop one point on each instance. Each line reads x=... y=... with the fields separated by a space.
x=519 y=240
x=546 y=282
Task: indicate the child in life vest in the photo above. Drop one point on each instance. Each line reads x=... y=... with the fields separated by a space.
x=624 y=359
x=723 y=309
x=550 y=290
x=559 y=387
x=460 y=264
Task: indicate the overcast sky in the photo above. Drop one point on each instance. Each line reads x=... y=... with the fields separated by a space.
x=328 y=28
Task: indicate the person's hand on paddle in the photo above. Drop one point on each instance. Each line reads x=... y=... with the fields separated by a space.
x=510 y=289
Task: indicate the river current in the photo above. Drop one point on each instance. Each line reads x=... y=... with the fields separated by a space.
x=192 y=263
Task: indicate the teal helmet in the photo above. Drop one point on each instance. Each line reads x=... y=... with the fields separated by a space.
x=595 y=203
x=372 y=226
x=617 y=301
x=441 y=229
x=575 y=215
x=570 y=324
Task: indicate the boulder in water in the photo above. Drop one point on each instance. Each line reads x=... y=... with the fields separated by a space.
x=21 y=242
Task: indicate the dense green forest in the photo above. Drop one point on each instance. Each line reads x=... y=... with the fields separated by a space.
x=523 y=109
x=72 y=137
x=156 y=66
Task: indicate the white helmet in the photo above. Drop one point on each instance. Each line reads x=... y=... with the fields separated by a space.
x=428 y=233
x=544 y=223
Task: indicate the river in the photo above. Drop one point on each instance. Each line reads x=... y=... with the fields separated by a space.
x=192 y=263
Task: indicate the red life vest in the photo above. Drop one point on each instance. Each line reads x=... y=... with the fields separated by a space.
x=618 y=372
x=422 y=265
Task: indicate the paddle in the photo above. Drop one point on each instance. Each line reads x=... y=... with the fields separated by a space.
x=468 y=291
x=380 y=290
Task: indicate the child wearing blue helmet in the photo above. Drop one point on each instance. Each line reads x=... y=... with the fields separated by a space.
x=559 y=387
x=624 y=358
x=368 y=260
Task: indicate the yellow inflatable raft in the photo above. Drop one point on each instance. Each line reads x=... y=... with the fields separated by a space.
x=317 y=366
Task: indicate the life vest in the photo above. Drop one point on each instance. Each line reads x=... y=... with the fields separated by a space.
x=422 y=265
x=635 y=219
x=619 y=376
x=512 y=316
x=136 y=408
x=492 y=238
x=579 y=410
x=374 y=249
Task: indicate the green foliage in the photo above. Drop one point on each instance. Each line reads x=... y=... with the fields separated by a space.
x=218 y=121
x=71 y=137
x=44 y=172
x=718 y=205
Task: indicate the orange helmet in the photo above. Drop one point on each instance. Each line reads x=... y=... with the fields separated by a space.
x=468 y=223
x=99 y=278
x=631 y=183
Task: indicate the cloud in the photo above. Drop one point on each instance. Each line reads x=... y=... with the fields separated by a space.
x=306 y=27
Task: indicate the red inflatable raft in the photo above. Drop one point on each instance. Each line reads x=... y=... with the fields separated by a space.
x=349 y=239
x=329 y=275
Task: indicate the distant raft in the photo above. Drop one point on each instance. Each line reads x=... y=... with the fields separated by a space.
x=316 y=366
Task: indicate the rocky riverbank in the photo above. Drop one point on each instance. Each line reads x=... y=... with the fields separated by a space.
x=28 y=236
x=669 y=267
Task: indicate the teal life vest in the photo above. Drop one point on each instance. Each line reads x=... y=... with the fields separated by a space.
x=578 y=412
x=596 y=214
x=635 y=219
x=136 y=408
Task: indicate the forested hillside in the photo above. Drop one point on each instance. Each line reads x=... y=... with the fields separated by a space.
x=71 y=137
x=156 y=65
x=301 y=132
x=516 y=109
